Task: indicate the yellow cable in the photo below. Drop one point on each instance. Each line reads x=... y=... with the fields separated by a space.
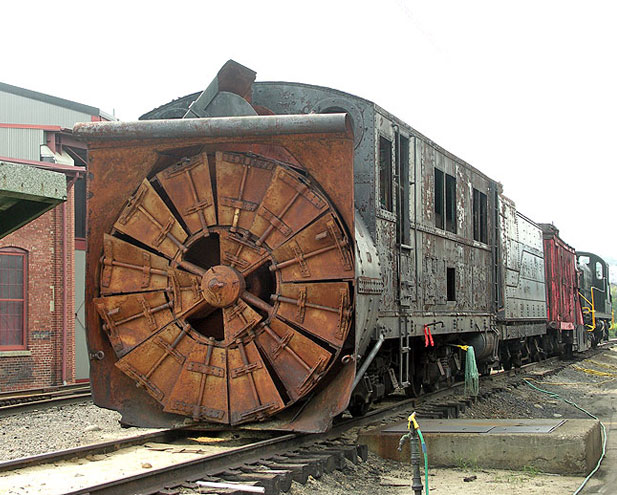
x=571 y=384
x=593 y=372
x=602 y=365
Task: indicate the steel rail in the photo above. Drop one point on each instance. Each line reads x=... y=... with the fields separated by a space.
x=153 y=480
x=21 y=401
x=93 y=449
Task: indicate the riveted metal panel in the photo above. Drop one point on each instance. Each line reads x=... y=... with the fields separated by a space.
x=523 y=259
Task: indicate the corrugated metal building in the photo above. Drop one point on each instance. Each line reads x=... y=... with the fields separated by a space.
x=45 y=343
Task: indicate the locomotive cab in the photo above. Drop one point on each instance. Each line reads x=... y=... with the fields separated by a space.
x=595 y=294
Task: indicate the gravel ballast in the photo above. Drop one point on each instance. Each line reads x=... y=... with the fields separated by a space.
x=60 y=427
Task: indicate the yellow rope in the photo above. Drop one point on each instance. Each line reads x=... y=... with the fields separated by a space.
x=593 y=372
x=602 y=365
x=572 y=384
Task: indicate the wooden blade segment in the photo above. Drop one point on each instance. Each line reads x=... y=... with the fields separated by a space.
x=319 y=252
x=147 y=219
x=322 y=309
x=156 y=363
x=128 y=268
x=189 y=186
x=298 y=361
x=201 y=389
x=253 y=396
x=241 y=182
x=131 y=318
x=288 y=205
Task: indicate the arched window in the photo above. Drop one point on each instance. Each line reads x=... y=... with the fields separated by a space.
x=13 y=285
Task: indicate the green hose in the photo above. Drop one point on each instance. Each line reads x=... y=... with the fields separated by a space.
x=604 y=436
x=472 y=377
x=425 y=458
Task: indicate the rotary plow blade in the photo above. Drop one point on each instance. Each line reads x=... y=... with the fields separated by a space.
x=221 y=278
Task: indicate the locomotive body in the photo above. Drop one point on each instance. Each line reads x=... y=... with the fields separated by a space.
x=278 y=252
x=431 y=218
x=595 y=294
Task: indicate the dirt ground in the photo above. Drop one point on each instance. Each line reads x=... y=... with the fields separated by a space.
x=596 y=392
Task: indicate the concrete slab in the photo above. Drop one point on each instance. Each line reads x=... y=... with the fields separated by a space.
x=26 y=192
x=571 y=446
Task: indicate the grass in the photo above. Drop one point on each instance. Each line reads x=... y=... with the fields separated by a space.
x=467 y=464
x=531 y=471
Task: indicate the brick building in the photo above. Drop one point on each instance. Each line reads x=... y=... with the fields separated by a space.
x=42 y=264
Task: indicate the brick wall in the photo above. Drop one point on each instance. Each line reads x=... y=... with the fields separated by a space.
x=50 y=280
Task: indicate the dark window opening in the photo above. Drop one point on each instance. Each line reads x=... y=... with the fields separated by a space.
x=12 y=299
x=451 y=284
x=80 y=157
x=385 y=173
x=402 y=156
x=450 y=204
x=438 y=199
x=480 y=232
x=80 y=207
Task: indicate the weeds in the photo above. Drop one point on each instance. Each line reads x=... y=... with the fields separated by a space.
x=531 y=471
x=467 y=464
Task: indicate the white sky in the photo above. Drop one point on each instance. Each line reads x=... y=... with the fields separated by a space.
x=525 y=91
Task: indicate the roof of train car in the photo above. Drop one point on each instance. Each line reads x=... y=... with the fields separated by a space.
x=176 y=109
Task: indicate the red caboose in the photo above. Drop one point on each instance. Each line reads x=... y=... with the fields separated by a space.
x=564 y=314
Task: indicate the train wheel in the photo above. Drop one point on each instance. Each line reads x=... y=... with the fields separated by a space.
x=414 y=389
x=225 y=287
x=358 y=406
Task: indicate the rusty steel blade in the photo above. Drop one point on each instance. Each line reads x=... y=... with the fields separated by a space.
x=238 y=319
x=185 y=292
x=288 y=205
x=128 y=268
x=298 y=361
x=131 y=318
x=201 y=389
x=156 y=363
x=240 y=253
x=188 y=185
x=253 y=396
x=147 y=219
x=319 y=252
x=322 y=309
x=241 y=183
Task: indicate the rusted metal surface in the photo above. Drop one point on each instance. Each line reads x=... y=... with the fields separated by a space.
x=563 y=309
x=217 y=127
x=220 y=279
x=197 y=208
x=322 y=309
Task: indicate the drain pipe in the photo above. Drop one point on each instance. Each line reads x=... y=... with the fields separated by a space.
x=369 y=360
x=65 y=271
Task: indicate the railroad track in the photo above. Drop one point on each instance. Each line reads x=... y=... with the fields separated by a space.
x=269 y=466
x=12 y=401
